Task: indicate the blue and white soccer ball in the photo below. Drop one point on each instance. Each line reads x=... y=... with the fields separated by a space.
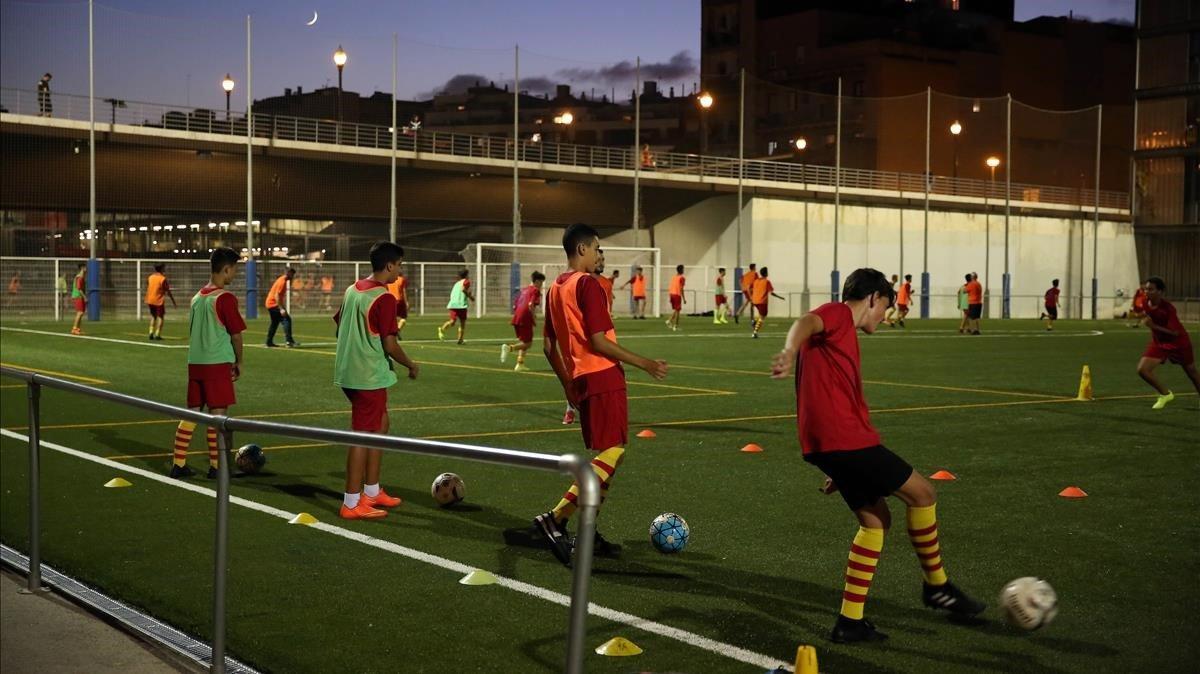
x=669 y=533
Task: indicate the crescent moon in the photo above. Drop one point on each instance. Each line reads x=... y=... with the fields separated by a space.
x=314 y=19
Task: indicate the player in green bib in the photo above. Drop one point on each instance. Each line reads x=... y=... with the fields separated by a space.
x=79 y=298
x=366 y=339
x=460 y=295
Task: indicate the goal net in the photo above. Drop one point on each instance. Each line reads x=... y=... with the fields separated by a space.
x=500 y=270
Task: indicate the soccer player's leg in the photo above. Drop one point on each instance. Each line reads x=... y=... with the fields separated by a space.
x=354 y=506
x=184 y=431
x=462 y=325
x=441 y=331
x=1146 y=367
x=373 y=492
x=762 y=316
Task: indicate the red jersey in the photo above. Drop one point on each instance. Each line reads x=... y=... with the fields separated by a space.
x=381 y=317
x=831 y=411
x=593 y=304
x=1052 y=297
x=1163 y=315
x=523 y=307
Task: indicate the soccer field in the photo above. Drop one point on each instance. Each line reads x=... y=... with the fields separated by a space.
x=763 y=570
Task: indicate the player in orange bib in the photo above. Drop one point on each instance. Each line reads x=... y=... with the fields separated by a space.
x=748 y=280
x=157 y=290
x=581 y=345
x=676 y=295
x=903 y=299
x=760 y=295
x=638 y=281
x=399 y=290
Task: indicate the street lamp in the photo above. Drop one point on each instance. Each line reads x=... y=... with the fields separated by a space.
x=955 y=129
x=227 y=85
x=563 y=119
x=992 y=163
x=801 y=144
x=339 y=60
x=706 y=101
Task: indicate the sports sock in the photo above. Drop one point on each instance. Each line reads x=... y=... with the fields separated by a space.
x=605 y=466
x=922 y=531
x=350 y=500
x=860 y=569
x=212 y=446
x=371 y=490
x=520 y=356
x=183 y=438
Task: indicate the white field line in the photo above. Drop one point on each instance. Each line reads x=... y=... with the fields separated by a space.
x=148 y=343
x=727 y=650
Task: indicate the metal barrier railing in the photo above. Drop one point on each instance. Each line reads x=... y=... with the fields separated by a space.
x=579 y=469
x=500 y=148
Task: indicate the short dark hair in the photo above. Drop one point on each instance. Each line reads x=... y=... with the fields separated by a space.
x=223 y=257
x=967 y=276
x=753 y=266
x=908 y=277
x=81 y=265
x=865 y=282
x=159 y=267
x=384 y=253
x=289 y=272
x=463 y=273
x=1054 y=283
x=678 y=269
x=762 y=272
x=578 y=235
x=537 y=276
x=720 y=270
x=1157 y=282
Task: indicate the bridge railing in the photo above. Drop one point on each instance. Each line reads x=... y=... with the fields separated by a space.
x=666 y=165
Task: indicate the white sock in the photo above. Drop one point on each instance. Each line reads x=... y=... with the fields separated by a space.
x=371 y=490
x=350 y=500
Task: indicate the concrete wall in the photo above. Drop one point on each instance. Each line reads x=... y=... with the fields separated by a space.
x=1040 y=248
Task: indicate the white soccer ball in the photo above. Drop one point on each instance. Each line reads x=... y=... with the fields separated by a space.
x=448 y=489
x=1029 y=603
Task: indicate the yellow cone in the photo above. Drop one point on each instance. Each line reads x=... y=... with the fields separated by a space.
x=618 y=647
x=478 y=577
x=118 y=482
x=1085 y=385
x=806 y=660
x=303 y=518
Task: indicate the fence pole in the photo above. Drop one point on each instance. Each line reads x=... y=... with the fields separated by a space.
x=1006 y=301
x=925 y=236
x=589 y=499
x=422 y=298
x=35 y=501
x=221 y=546
x=741 y=164
x=57 y=293
x=251 y=265
x=138 y=272
x=834 y=277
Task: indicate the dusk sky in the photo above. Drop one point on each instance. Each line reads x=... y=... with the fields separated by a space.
x=176 y=52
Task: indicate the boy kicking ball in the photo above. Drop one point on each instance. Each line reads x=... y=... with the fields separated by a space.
x=524 y=319
x=837 y=436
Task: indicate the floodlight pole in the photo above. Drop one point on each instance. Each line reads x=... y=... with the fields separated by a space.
x=392 y=229
x=925 y=234
x=835 y=275
x=637 y=145
x=251 y=265
x=516 y=145
x=741 y=161
x=1096 y=214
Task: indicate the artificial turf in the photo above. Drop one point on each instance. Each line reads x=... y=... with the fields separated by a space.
x=763 y=568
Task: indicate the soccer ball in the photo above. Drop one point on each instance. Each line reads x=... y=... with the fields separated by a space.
x=448 y=489
x=250 y=459
x=1029 y=603
x=669 y=533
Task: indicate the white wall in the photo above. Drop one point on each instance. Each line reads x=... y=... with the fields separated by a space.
x=1040 y=248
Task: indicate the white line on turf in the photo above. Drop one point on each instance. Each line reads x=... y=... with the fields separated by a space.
x=658 y=629
x=155 y=345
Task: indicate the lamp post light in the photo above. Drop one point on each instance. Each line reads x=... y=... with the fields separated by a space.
x=955 y=130
x=563 y=120
x=227 y=84
x=801 y=144
x=339 y=60
x=992 y=163
x=706 y=101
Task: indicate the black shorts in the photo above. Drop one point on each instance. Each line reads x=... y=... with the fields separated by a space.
x=863 y=476
x=974 y=310
x=1052 y=312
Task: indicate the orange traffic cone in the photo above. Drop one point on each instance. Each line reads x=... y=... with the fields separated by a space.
x=647 y=433
x=752 y=448
x=1072 y=492
x=943 y=475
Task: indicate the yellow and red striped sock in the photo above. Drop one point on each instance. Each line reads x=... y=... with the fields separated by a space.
x=212 y=447
x=605 y=466
x=183 y=438
x=860 y=569
x=923 y=532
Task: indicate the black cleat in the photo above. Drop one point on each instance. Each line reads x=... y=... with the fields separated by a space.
x=292 y=345
x=212 y=473
x=848 y=631
x=271 y=345
x=735 y=319
x=180 y=472
x=602 y=547
x=555 y=535
x=952 y=599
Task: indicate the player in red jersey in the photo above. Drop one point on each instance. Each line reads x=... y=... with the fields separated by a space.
x=837 y=436
x=1169 y=341
x=524 y=319
x=1052 y=304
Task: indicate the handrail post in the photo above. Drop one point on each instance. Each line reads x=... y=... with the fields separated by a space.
x=35 y=501
x=221 y=547
x=585 y=540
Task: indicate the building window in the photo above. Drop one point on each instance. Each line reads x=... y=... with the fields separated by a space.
x=1162 y=124
x=1164 y=61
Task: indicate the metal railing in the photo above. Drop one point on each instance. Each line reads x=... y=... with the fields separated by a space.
x=667 y=165
x=579 y=469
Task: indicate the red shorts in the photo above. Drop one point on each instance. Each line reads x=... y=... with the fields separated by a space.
x=459 y=315
x=210 y=386
x=720 y=299
x=1179 y=353
x=761 y=308
x=402 y=310
x=80 y=304
x=157 y=310
x=604 y=420
x=367 y=409
x=902 y=307
x=676 y=302
x=524 y=332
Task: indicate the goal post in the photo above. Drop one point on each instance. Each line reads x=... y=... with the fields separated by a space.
x=500 y=271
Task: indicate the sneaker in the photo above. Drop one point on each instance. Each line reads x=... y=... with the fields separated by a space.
x=521 y=367
x=212 y=473
x=848 y=631
x=754 y=335
x=271 y=345
x=441 y=334
x=461 y=342
x=362 y=511
x=504 y=349
x=569 y=416
x=292 y=345
x=1163 y=400
x=555 y=535
x=952 y=599
x=381 y=500
x=76 y=331
x=180 y=472
x=150 y=337
x=735 y=319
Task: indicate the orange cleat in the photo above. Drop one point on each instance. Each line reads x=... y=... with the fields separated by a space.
x=381 y=501
x=76 y=331
x=362 y=511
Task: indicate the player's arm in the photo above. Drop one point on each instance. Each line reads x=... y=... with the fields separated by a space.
x=172 y=296
x=775 y=294
x=236 y=340
x=1154 y=327
x=391 y=346
x=800 y=332
x=550 y=348
x=601 y=345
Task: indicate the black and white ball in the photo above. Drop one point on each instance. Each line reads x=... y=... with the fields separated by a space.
x=448 y=489
x=1029 y=603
